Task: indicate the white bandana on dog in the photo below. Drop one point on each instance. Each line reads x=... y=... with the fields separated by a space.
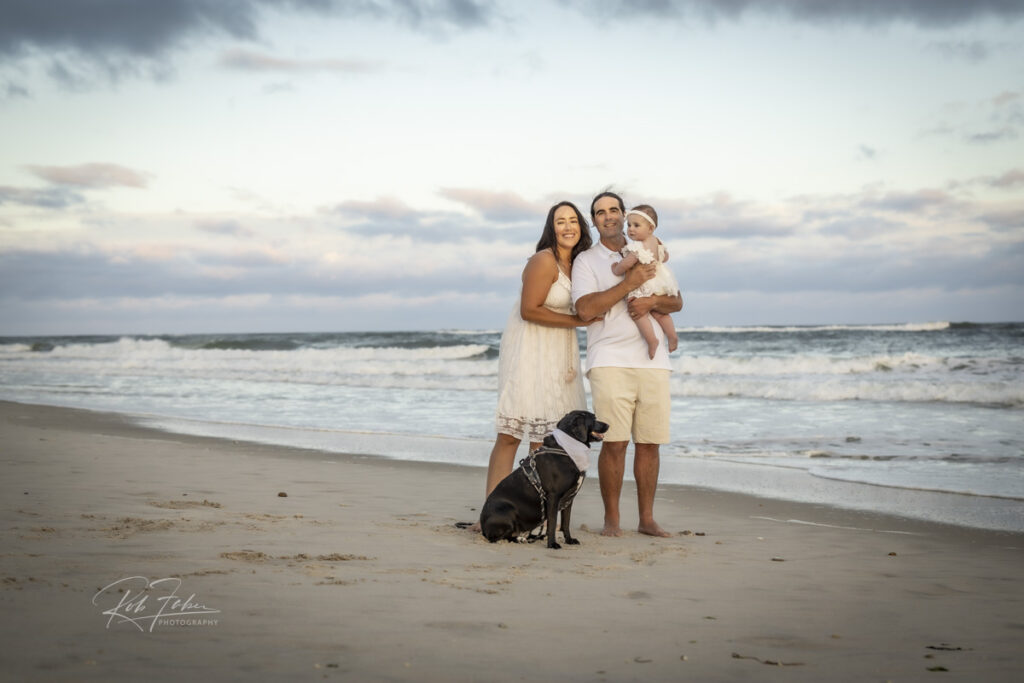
x=578 y=451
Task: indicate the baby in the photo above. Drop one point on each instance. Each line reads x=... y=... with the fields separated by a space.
x=645 y=248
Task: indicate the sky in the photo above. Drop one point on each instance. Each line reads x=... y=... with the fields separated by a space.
x=204 y=166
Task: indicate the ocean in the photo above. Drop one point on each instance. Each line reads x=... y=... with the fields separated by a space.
x=920 y=420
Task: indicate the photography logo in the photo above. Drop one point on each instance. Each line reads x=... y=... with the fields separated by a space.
x=146 y=604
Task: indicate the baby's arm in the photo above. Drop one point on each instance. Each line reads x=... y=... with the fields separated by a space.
x=651 y=244
x=627 y=262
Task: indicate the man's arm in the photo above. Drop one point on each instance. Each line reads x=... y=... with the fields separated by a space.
x=590 y=306
x=659 y=304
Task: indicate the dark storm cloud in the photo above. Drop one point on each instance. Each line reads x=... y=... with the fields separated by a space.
x=925 y=13
x=152 y=28
x=109 y=39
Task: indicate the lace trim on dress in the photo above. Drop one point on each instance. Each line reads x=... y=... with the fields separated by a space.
x=531 y=430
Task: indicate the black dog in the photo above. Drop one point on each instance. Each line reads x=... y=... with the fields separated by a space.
x=544 y=483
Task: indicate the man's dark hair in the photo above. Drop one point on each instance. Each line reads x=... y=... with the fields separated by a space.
x=607 y=193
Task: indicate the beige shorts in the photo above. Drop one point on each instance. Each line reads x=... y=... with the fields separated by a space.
x=634 y=402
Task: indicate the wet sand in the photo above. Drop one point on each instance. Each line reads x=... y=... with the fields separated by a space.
x=358 y=573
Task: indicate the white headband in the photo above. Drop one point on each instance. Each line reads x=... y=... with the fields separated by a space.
x=634 y=212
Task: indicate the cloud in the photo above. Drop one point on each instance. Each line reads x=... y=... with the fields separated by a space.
x=991 y=136
x=1005 y=220
x=11 y=90
x=119 y=26
x=501 y=207
x=391 y=216
x=91 y=176
x=868 y=243
x=1010 y=179
x=719 y=216
x=226 y=227
x=869 y=268
x=907 y=202
x=991 y=120
x=45 y=198
x=924 y=13
x=382 y=208
x=866 y=153
x=83 y=43
x=84 y=272
x=1006 y=97
x=973 y=52
x=247 y=60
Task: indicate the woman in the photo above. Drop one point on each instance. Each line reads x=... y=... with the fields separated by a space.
x=539 y=379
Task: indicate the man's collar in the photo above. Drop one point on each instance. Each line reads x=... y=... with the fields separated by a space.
x=606 y=250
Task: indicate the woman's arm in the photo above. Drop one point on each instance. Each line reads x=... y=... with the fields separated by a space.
x=540 y=272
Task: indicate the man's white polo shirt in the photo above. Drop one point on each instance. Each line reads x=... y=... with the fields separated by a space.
x=614 y=341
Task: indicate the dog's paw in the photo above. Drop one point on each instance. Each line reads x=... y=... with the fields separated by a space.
x=572 y=541
x=554 y=546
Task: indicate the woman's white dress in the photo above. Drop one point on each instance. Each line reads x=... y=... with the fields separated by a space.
x=539 y=377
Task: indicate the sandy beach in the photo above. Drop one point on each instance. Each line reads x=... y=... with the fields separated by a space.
x=131 y=554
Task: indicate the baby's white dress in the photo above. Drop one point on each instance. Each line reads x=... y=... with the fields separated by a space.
x=663 y=282
x=539 y=380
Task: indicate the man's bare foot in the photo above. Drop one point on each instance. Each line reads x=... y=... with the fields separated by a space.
x=653 y=529
x=611 y=530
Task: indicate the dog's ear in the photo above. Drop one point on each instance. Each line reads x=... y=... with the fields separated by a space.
x=581 y=426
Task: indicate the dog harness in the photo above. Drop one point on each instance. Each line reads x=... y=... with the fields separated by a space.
x=529 y=465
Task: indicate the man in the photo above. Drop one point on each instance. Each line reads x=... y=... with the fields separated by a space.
x=630 y=389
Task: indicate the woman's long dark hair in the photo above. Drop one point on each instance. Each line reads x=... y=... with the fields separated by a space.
x=548 y=240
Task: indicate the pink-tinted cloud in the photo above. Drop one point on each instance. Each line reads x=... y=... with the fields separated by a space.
x=91 y=176
x=248 y=60
x=496 y=206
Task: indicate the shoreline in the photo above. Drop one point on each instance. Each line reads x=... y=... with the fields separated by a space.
x=749 y=478
x=358 y=573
